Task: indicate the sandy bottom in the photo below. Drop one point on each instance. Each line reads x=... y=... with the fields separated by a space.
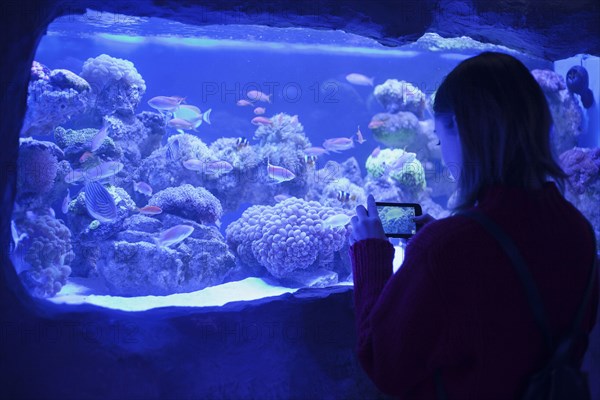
x=92 y=291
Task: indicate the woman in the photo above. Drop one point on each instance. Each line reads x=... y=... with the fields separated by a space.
x=456 y=304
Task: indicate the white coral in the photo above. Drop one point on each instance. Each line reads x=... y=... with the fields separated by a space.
x=104 y=70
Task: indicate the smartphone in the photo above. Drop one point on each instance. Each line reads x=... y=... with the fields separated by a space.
x=397 y=218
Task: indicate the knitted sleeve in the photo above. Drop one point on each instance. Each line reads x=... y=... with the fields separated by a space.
x=399 y=317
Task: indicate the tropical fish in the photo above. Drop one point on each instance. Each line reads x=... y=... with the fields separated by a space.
x=338 y=144
x=179 y=123
x=345 y=197
x=215 y=167
x=193 y=164
x=375 y=151
x=359 y=79
x=281 y=197
x=315 y=151
x=102 y=171
x=99 y=202
x=174 y=235
x=85 y=156
x=150 y=210
x=337 y=221
x=99 y=137
x=241 y=142
x=256 y=95
x=193 y=115
x=259 y=110
x=243 y=103
x=375 y=123
x=143 y=188
x=66 y=201
x=187 y=112
x=164 y=103
x=74 y=176
x=310 y=160
x=173 y=149
x=261 y=121
x=359 y=136
x=279 y=174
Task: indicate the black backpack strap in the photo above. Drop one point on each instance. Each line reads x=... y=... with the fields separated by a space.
x=564 y=348
x=533 y=296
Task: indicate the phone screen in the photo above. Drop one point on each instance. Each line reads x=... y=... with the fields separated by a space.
x=397 y=218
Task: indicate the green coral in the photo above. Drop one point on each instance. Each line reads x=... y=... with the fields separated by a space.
x=48 y=253
x=400 y=166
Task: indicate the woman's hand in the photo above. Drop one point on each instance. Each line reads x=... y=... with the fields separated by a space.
x=366 y=223
x=423 y=220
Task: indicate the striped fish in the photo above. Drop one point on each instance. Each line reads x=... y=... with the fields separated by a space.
x=99 y=202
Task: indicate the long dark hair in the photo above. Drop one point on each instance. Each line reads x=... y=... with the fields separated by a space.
x=504 y=125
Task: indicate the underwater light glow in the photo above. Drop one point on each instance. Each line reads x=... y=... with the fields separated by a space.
x=122 y=38
x=76 y=292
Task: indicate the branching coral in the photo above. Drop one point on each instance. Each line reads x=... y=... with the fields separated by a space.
x=287 y=237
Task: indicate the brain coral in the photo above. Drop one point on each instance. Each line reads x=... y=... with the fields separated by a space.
x=287 y=237
x=187 y=201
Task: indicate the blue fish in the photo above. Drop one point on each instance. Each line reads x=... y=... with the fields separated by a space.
x=99 y=203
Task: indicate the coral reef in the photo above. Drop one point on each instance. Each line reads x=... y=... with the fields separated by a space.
x=583 y=168
x=396 y=96
x=187 y=201
x=65 y=79
x=37 y=166
x=566 y=111
x=88 y=232
x=400 y=167
x=39 y=71
x=133 y=265
x=289 y=237
x=40 y=169
x=116 y=85
x=46 y=254
x=400 y=130
x=164 y=168
x=77 y=142
x=53 y=98
x=283 y=142
x=330 y=196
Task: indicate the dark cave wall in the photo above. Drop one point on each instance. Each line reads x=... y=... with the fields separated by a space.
x=294 y=346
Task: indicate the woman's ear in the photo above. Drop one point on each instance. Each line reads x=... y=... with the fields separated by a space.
x=453 y=124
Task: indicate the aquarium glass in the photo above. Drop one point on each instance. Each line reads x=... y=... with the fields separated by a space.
x=169 y=164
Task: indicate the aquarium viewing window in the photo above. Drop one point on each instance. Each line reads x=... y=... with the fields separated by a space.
x=163 y=164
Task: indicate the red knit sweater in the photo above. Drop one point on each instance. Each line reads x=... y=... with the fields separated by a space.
x=456 y=302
